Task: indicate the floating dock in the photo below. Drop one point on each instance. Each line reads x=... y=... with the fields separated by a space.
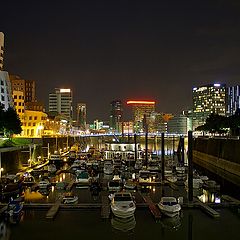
x=152 y=207
x=208 y=210
x=52 y=212
x=105 y=210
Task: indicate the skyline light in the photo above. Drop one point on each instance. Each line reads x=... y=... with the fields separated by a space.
x=140 y=102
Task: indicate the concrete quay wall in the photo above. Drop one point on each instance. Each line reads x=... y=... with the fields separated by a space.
x=209 y=161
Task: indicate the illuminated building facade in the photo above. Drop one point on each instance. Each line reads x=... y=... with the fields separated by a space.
x=28 y=87
x=116 y=113
x=233 y=99
x=33 y=123
x=61 y=102
x=141 y=113
x=208 y=99
x=180 y=124
x=82 y=116
x=5 y=91
x=1 y=50
x=19 y=103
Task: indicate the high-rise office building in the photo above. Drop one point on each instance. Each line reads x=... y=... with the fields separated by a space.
x=141 y=113
x=82 y=116
x=61 y=102
x=208 y=99
x=5 y=90
x=28 y=87
x=233 y=99
x=116 y=113
x=1 y=50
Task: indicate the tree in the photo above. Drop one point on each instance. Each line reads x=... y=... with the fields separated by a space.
x=11 y=122
x=214 y=124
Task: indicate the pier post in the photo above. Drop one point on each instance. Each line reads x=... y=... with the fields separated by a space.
x=135 y=146
x=190 y=167
x=182 y=149
x=163 y=153
x=146 y=148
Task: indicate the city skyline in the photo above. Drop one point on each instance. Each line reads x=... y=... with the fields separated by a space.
x=143 y=50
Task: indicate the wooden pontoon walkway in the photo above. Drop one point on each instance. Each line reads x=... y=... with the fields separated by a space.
x=152 y=207
x=105 y=209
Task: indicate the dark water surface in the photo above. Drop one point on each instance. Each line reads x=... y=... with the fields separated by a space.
x=87 y=224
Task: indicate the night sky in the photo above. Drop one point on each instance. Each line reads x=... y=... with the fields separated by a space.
x=107 y=50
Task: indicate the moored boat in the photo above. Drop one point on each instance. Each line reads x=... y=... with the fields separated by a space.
x=169 y=206
x=123 y=205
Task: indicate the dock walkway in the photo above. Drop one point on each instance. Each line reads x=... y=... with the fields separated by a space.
x=152 y=207
x=52 y=212
x=105 y=210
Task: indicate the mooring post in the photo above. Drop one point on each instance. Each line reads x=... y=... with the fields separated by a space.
x=135 y=145
x=190 y=167
x=182 y=149
x=146 y=148
x=163 y=153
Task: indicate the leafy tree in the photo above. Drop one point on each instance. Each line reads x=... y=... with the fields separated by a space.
x=11 y=122
x=214 y=124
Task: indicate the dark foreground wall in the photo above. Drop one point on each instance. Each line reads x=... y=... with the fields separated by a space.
x=221 y=156
x=227 y=149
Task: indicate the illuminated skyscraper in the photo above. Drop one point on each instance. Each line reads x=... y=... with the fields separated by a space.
x=208 y=99
x=1 y=50
x=233 y=99
x=141 y=111
x=61 y=102
x=116 y=115
x=81 y=116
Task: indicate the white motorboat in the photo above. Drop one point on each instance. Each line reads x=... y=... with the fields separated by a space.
x=83 y=177
x=123 y=205
x=44 y=184
x=114 y=185
x=108 y=167
x=69 y=198
x=169 y=206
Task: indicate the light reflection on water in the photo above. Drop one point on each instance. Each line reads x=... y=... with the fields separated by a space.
x=193 y=224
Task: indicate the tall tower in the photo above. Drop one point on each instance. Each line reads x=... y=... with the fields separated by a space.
x=61 y=102
x=233 y=99
x=208 y=99
x=82 y=116
x=1 y=50
x=28 y=87
x=116 y=113
x=141 y=112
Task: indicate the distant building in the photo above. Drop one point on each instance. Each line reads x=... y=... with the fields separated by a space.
x=116 y=113
x=5 y=91
x=208 y=99
x=127 y=127
x=33 y=123
x=233 y=99
x=1 y=50
x=35 y=106
x=179 y=125
x=61 y=102
x=141 y=111
x=81 y=116
x=19 y=103
x=28 y=87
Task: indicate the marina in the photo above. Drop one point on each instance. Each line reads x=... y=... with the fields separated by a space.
x=44 y=194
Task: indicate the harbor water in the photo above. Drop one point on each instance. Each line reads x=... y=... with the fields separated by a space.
x=87 y=224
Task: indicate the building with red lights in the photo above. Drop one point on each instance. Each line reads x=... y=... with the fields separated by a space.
x=141 y=112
